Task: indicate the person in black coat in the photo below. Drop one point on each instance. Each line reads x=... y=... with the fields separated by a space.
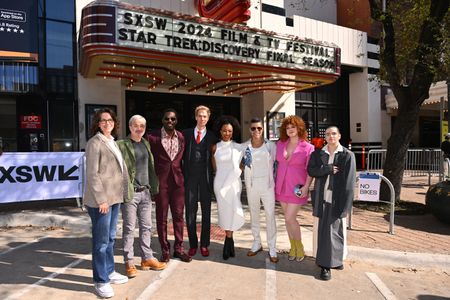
x=198 y=179
x=445 y=146
x=334 y=171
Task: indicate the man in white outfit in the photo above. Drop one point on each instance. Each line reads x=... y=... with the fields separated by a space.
x=259 y=182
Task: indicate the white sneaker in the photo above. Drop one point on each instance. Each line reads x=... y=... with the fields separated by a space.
x=104 y=290
x=117 y=278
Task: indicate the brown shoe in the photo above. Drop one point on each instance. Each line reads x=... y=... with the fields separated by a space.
x=131 y=270
x=273 y=259
x=153 y=264
x=253 y=253
x=182 y=256
x=165 y=257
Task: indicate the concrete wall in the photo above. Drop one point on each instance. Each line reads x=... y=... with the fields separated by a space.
x=325 y=11
x=186 y=6
x=365 y=109
x=374 y=109
x=353 y=43
x=99 y=91
x=258 y=104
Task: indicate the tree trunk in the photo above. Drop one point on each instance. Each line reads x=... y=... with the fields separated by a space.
x=398 y=145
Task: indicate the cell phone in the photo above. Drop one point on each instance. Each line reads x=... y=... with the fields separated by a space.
x=297 y=190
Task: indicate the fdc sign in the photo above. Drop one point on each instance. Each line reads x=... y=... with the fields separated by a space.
x=369 y=187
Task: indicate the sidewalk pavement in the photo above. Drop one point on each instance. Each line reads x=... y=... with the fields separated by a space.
x=420 y=241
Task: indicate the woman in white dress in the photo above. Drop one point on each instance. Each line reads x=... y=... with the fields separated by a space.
x=227 y=155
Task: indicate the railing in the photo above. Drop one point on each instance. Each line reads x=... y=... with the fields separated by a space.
x=418 y=162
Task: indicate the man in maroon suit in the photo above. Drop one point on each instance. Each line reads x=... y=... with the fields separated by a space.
x=167 y=146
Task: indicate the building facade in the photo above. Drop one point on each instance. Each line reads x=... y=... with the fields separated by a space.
x=315 y=59
x=38 y=79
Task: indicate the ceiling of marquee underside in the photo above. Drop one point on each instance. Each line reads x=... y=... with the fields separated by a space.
x=171 y=75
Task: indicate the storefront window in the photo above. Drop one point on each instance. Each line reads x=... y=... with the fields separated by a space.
x=62 y=126
x=60 y=10
x=59 y=45
x=60 y=71
x=18 y=77
x=8 y=131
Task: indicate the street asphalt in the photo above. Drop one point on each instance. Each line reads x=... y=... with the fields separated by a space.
x=78 y=221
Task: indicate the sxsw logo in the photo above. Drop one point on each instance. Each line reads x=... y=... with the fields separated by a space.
x=24 y=174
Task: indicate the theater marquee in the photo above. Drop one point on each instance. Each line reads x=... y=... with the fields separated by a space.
x=164 y=34
x=161 y=49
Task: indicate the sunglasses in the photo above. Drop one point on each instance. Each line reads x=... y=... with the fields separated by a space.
x=254 y=128
x=171 y=119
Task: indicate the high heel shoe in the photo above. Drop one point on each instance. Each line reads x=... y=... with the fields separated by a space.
x=293 y=252
x=232 y=252
x=300 y=251
x=226 y=248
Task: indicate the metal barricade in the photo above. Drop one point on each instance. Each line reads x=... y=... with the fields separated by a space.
x=391 y=202
x=418 y=162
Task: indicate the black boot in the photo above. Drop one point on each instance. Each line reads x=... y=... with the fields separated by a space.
x=226 y=248
x=232 y=252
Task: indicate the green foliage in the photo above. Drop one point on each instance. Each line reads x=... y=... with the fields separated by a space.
x=408 y=19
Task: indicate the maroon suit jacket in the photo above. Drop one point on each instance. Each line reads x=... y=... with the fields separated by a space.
x=163 y=164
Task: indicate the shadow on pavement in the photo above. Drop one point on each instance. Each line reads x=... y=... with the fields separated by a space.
x=39 y=260
x=426 y=223
x=431 y=297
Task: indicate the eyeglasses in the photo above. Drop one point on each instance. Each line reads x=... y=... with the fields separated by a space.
x=254 y=128
x=171 y=119
x=103 y=121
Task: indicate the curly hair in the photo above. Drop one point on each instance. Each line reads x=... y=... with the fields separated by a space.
x=96 y=121
x=223 y=120
x=297 y=122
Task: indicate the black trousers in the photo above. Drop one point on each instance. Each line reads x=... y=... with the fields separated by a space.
x=197 y=190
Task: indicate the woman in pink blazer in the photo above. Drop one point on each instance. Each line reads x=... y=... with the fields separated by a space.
x=293 y=152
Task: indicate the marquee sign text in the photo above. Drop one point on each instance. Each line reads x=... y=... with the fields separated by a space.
x=167 y=34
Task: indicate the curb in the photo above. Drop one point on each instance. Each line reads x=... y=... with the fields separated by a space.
x=69 y=218
x=76 y=219
x=399 y=258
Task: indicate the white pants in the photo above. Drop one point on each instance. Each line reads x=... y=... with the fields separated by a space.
x=258 y=192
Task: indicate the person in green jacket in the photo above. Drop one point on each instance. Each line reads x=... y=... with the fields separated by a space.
x=142 y=184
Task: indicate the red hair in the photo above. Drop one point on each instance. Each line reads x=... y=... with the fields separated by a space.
x=297 y=122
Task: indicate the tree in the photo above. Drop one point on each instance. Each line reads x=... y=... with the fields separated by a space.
x=414 y=54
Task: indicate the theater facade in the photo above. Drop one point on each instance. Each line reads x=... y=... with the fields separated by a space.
x=242 y=58
x=146 y=59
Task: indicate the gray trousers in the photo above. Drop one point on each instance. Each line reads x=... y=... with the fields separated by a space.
x=329 y=239
x=139 y=209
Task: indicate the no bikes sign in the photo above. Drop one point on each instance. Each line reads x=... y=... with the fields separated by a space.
x=369 y=187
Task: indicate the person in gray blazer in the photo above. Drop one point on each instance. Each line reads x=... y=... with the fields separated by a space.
x=334 y=169
x=106 y=179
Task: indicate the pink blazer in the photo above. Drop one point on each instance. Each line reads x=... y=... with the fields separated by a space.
x=292 y=172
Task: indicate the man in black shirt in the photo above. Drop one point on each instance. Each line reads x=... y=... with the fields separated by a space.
x=445 y=146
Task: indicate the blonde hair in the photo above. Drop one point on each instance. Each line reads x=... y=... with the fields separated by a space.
x=202 y=107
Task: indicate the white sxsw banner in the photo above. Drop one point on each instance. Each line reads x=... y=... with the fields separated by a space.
x=26 y=176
